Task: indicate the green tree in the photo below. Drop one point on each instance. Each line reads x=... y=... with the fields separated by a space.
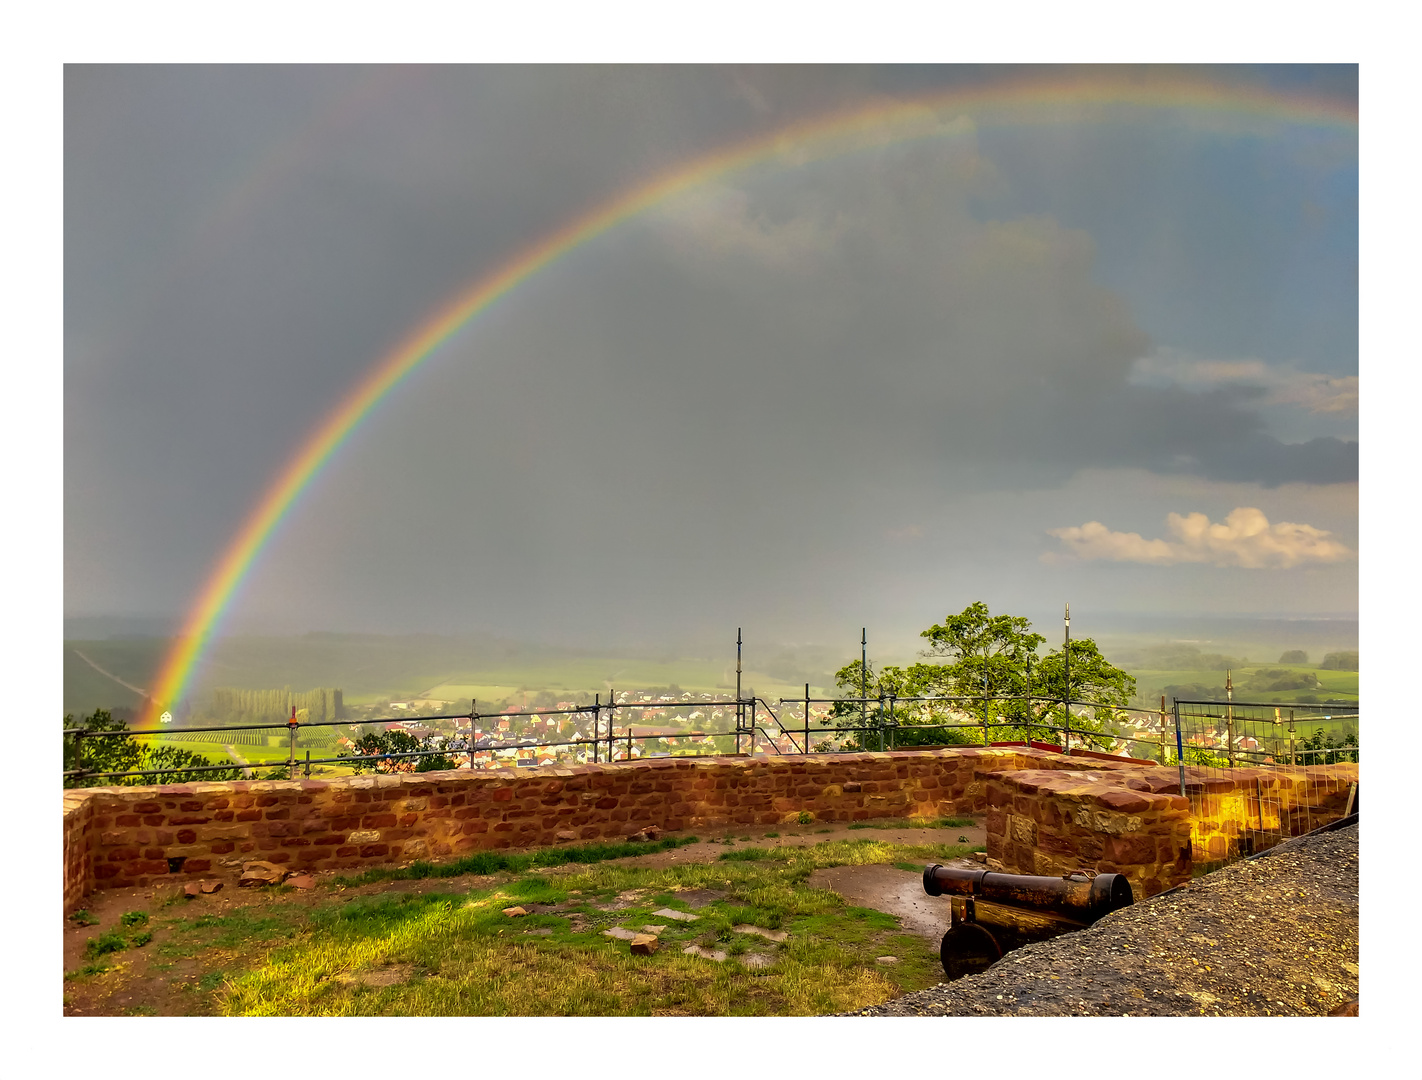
x=1340 y=661
x=126 y=754
x=974 y=656
x=901 y=723
x=373 y=745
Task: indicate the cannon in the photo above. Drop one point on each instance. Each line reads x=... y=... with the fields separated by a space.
x=994 y=913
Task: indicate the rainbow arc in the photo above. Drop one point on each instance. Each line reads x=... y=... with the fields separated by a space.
x=1092 y=99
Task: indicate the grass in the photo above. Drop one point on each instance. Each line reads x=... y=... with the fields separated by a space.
x=494 y=862
x=455 y=953
x=917 y=823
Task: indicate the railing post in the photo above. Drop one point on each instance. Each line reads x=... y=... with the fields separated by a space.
x=807 y=718
x=1066 y=692
x=986 y=737
x=1179 y=749
x=1163 y=759
x=291 y=726
x=79 y=754
x=597 y=719
x=740 y=704
x=1229 y=717
x=1293 y=748
x=473 y=710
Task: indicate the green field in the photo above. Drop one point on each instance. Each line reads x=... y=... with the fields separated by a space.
x=372 y=669
x=1150 y=683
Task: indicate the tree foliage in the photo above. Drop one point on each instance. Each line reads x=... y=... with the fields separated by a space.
x=124 y=753
x=368 y=753
x=991 y=664
x=240 y=706
x=1340 y=661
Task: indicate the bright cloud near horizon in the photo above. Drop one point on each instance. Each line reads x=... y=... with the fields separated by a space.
x=1244 y=539
x=839 y=386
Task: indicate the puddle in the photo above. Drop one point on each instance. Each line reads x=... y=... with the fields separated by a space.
x=892 y=891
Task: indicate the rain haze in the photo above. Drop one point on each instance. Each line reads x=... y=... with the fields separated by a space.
x=1000 y=338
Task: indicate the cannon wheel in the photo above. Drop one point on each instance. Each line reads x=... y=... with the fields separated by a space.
x=967 y=949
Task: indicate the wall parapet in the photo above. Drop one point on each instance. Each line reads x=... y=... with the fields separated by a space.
x=136 y=836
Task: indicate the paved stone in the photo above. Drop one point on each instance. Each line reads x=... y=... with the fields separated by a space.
x=653 y=928
x=886 y=959
x=621 y=933
x=679 y=916
x=773 y=935
x=719 y=955
x=644 y=944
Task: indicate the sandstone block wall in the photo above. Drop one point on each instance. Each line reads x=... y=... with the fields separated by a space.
x=1045 y=812
x=1249 y=810
x=78 y=849
x=1132 y=822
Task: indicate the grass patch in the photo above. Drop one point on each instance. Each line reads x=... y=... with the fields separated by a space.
x=95 y=968
x=485 y=863
x=111 y=941
x=748 y=854
x=917 y=823
x=771 y=835
x=83 y=918
x=456 y=954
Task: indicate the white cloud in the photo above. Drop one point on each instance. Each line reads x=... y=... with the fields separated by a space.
x=1283 y=385
x=1245 y=539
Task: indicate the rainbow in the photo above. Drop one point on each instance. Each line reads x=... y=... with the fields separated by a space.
x=1038 y=101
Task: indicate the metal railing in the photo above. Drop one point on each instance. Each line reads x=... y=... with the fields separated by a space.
x=1193 y=734
x=1217 y=740
x=755 y=724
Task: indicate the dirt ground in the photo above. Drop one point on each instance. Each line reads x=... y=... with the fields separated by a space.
x=144 y=982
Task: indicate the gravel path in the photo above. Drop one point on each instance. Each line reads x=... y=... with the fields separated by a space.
x=1274 y=936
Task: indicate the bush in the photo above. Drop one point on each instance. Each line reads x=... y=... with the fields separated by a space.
x=1340 y=661
x=122 y=754
x=374 y=746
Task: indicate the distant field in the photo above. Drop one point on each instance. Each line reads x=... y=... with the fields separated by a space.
x=369 y=669
x=1336 y=684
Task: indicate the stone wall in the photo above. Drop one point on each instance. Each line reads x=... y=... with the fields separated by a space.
x=1249 y=810
x=78 y=848
x=1043 y=810
x=1132 y=822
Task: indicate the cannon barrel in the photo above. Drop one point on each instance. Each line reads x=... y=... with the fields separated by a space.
x=1080 y=897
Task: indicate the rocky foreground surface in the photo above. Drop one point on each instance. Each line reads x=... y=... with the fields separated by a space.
x=1272 y=936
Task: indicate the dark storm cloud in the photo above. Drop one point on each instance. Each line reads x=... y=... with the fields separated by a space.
x=755 y=383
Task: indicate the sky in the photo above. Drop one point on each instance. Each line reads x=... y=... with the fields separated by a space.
x=1058 y=352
